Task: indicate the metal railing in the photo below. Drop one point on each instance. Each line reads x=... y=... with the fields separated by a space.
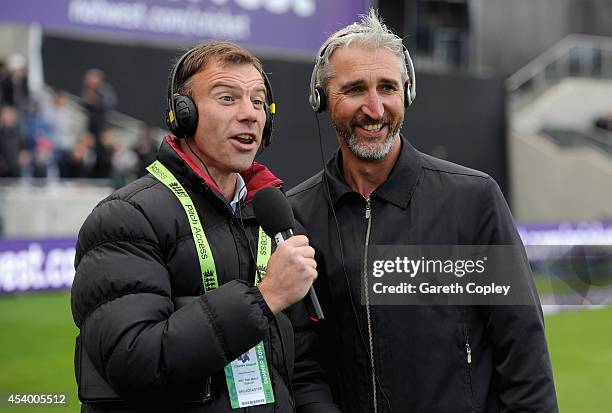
x=124 y=126
x=575 y=55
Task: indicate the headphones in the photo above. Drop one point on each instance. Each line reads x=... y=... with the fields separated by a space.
x=318 y=98
x=182 y=114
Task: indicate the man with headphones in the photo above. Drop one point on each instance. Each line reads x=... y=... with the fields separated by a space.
x=379 y=190
x=178 y=296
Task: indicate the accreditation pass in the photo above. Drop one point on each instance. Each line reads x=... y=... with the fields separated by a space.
x=248 y=379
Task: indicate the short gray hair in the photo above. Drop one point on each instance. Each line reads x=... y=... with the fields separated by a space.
x=370 y=32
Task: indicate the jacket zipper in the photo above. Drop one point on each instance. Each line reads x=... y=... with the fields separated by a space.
x=207 y=389
x=468 y=359
x=368 y=216
x=468 y=349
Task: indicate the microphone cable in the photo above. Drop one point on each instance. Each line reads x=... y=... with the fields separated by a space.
x=202 y=162
x=346 y=277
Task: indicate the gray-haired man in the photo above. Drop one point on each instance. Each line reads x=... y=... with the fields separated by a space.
x=378 y=189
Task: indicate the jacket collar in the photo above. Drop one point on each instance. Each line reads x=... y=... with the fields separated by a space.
x=255 y=177
x=397 y=189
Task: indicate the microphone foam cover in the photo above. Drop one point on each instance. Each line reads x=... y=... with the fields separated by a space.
x=273 y=210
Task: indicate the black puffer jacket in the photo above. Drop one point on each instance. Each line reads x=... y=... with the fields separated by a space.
x=149 y=336
x=426 y=358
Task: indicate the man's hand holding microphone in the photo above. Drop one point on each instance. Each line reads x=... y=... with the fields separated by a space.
x=292 y=268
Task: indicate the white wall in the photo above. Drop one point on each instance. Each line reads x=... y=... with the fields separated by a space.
x=55 y=210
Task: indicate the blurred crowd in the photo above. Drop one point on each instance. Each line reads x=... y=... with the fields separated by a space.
x=44 y=136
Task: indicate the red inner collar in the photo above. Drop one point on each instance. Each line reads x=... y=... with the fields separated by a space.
x=255 y=177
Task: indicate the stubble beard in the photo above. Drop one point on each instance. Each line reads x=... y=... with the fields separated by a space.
x=361 y=147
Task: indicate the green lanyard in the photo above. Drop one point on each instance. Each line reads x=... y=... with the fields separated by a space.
x=249 y=387
x=205 y=257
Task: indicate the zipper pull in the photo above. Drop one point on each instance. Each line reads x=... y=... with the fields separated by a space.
x=368 y=211
x=468 y=350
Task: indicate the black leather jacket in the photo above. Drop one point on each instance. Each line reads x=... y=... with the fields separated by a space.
x=420 y=353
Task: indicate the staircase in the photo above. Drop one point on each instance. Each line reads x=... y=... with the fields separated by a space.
x=560 y=164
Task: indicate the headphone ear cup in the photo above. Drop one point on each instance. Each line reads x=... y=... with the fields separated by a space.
x=407 y=98
x=322 y=99
x=185 y=117
x=266 y=138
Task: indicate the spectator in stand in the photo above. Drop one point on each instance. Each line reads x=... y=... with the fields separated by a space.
x=42 y=164
x=81 y=159
x=36 y=125
x=103 y=166
x=38 y=142
x=4 y=75
x=146 y=150
x=60 y=118
x=124 y=163
x=98 y=99
x=14 y=87
x=10 y=143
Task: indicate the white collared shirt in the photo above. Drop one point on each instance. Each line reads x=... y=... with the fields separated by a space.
x=239 y=192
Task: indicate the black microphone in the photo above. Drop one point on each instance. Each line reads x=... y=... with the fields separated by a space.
x=275 y=216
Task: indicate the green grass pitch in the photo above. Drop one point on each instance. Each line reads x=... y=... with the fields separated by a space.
x=37 y=344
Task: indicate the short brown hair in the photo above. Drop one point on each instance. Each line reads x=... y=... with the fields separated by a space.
x=224 y=52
